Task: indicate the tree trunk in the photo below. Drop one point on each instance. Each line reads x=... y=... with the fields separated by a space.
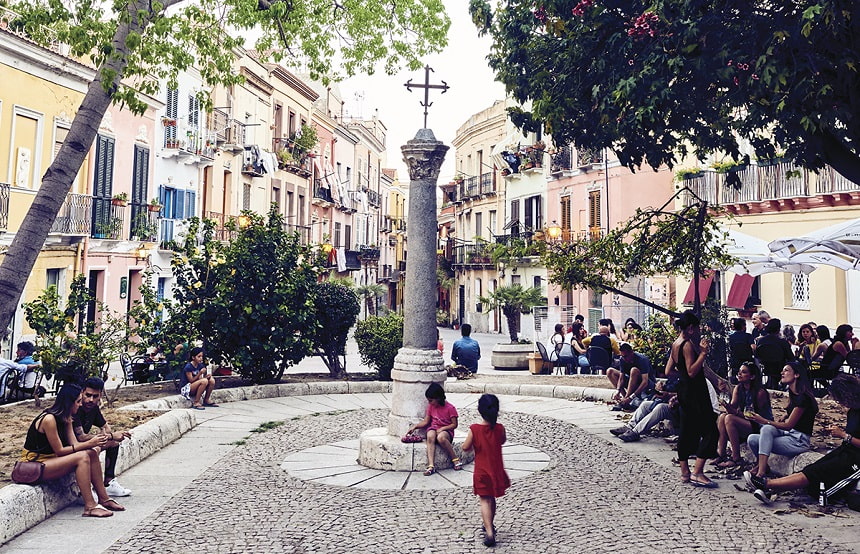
x=58 y=179
x=513 y=323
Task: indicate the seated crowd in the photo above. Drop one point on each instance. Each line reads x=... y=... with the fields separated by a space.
x=712 y=430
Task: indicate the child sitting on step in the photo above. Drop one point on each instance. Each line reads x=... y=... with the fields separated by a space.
x=442 y=420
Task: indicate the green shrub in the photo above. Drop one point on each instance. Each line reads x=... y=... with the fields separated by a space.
x=379 y=338
x=337 y=309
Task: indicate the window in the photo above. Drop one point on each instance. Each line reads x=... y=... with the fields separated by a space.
x=479 y=224
x=478 y=294
x=289 y=206
x=800 y=291
x=291 y=125
x=171 y=111
x=103 y=178
x=565 y=214
x=193 y=112
x=594 y=211
x=139 y=185
x=337 y=243
x=53 y=277
x=347 y=237
x=276 y=196
x=533 y=219
x=178 y=204
x=515 y=218
x=493 y=222
x=246 y=196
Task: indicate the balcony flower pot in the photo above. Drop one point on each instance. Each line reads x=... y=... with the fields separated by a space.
x=155 y=207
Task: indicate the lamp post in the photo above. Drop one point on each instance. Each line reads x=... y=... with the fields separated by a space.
x=553 y=231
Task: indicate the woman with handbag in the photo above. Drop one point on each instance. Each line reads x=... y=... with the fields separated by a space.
x=51 y=444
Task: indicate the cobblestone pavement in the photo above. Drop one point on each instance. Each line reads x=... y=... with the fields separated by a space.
x=594 y=496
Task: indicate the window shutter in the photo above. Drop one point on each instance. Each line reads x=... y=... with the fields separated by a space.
x=180 y=205
x=190 y=203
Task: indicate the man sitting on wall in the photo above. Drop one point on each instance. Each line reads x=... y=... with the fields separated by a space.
x=632 y=378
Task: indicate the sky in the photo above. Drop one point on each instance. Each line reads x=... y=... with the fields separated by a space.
x=462 y=65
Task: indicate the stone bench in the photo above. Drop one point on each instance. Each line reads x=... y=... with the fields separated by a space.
x=25 y=506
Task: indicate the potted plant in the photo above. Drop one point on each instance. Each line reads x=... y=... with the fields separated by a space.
x=306 y=138
x=119 y=199
x=514 y=300
x=155 y=205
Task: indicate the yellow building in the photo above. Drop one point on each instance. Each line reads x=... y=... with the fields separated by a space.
x=778 y=200
x=41 y=92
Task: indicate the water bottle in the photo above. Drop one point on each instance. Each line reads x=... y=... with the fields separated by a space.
x=822 y=495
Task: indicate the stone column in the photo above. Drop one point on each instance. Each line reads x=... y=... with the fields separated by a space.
x=418 y=363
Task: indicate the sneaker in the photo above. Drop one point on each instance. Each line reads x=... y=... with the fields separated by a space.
x=115 y=489
x=630 y=436
x=618 y=431
x=761 y=495
x=754 y=482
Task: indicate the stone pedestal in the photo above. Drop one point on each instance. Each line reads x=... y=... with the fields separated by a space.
x=380 y=450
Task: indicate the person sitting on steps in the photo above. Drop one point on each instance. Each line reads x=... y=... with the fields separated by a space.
x=441 y=420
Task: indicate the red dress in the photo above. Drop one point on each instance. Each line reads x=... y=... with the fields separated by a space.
x=490 y=478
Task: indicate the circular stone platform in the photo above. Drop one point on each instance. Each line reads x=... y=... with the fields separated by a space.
x=337 y=464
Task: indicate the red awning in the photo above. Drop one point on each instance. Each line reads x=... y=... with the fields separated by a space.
x=740 y=291
x=704 y=286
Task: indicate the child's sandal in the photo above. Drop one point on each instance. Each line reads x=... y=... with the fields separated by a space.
x=430 y=470
x=458 y=465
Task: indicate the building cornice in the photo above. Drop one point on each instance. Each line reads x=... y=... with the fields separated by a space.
x=293 y=82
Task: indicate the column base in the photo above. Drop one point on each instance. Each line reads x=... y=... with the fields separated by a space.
x=379 y=450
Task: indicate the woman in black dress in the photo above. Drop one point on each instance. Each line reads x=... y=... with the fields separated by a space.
x=699 y=434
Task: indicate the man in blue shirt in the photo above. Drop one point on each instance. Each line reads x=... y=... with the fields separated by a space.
x=466 y=350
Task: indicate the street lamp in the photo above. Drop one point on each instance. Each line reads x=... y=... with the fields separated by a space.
x=553 y=231
x=244 y=221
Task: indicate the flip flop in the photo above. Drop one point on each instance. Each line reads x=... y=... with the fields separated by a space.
x=197 y=408
x=112 y=505
x=96 y=512
x=703 y=484
x=685 y=477
x=210 y=404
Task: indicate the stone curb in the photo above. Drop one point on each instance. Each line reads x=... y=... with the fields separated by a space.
x=25 y=506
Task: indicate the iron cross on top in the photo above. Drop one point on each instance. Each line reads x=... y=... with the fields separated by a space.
x=426 y=86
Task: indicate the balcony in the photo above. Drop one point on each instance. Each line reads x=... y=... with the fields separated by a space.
x=368 y=253
x=4 y=206
x=472 y=256
x=107 y=219
x=144 y=223
x=774 y=186
x=322 y=194
x=588 y=158
x=562 y=160
x=374 y=198
x=75 y=216
x=252 y=162
x=228 y=133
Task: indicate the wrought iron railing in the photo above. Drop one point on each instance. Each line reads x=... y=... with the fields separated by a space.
x=107 y=219
x=4 y=206
x=75 y=215
x=373 y=198
x=562 y=160
x=471 y=254
x=322 y=191
x=144 y=223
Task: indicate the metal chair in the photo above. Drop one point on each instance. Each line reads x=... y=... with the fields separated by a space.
x=544 y=356
x=599 y=358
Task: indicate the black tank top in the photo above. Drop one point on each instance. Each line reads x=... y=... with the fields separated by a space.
x=37 y=441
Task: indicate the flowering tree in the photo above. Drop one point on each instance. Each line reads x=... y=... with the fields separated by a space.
x=654 y=80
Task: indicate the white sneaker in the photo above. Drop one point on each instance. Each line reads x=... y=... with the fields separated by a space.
x=115 y=489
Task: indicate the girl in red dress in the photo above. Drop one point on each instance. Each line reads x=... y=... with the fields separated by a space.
x=490 y=479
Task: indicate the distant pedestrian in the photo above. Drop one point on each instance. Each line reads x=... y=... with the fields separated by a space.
x=466 y=351
x=490 y=480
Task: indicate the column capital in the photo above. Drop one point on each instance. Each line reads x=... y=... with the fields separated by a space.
x=423 y=156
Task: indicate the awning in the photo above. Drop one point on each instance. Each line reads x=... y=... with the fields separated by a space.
x=704 y=286
x=740 y=291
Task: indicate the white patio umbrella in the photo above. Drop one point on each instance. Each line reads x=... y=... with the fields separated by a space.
x=755 y=258
x=837 y=245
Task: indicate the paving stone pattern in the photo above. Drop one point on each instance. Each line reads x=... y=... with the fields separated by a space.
x=593 y=497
